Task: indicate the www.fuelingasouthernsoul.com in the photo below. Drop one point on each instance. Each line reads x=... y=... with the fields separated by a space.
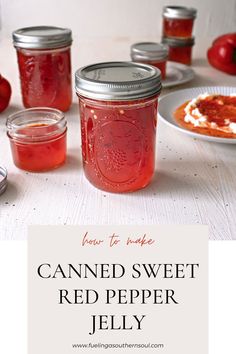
x=118 y=346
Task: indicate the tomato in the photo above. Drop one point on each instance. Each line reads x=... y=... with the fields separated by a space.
x=222 y=54
x=5 y=93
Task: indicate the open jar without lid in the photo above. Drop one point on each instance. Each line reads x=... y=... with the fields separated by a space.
x=38 y=138
x=44 y=62
x=180 y=50
x=178 y=21
x=118 y=111
x=151 y=53
x=3 y=179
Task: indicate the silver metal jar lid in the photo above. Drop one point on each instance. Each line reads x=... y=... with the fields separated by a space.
x=149 y=51
x=178 y=42
x=179 y=12
x=118 y=81
x=42 y=37
x=3 y=179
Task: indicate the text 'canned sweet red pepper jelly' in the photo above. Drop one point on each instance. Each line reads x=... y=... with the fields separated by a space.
x=44 y=62
x=118 y=111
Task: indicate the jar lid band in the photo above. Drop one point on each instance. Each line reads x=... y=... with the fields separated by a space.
x=42 y=37
x=178 y=42
x=116 y=81
x=179 y=12
x=149 y=51
x=3 y=179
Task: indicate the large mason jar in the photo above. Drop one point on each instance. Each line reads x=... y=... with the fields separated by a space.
x=118 y=111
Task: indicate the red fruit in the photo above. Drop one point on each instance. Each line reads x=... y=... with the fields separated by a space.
x=226 y=38
x=5 y=93
x=222 y=54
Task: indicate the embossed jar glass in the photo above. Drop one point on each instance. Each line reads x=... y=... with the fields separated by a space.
x=44 y=62
x=118 y=111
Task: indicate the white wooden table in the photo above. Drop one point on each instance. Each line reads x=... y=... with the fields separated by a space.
x=195 y=181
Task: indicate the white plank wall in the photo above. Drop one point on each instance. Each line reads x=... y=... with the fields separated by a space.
x=115 y=23
x=115 y=18
x=195 y=181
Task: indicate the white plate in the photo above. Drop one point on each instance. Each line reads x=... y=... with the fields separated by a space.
x=170 y=102
x=177 y=74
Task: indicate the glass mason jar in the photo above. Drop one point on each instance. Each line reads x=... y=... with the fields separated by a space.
x=151 y=53
x=178 y=21
x=38 y=138
x=118 y=111
x=44 y=62
x=180 y=50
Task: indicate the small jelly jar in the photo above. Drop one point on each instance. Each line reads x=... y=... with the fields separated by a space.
x=180 y=50
x=44 y=62
x=178 y=21
x=118 y=111
x=151 y=53
x=38 y=138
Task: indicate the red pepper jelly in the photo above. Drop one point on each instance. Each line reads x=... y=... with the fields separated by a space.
x=118 y=111
x=180 y=50
x=38 y=138
x=45 y=66
x=178 y=21
x=151 y=53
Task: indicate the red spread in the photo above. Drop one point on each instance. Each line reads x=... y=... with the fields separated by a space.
x=218 y=109
x=217 y=116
